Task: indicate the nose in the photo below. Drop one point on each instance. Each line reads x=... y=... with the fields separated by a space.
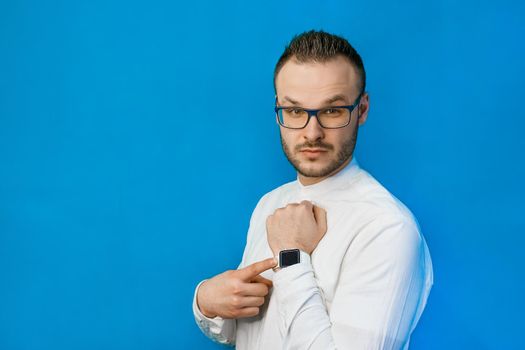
x=313 y=130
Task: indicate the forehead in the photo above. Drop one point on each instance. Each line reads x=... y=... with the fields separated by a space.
x=313 y=82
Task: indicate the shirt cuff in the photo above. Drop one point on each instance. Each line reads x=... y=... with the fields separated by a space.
x=293 y=287
x=212 y=327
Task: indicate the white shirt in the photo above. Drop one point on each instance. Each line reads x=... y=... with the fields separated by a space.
x=364 y=287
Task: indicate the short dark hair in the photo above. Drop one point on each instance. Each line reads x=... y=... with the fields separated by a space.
x=320 y=46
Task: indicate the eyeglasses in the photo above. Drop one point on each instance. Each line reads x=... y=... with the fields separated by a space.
x=329 y=117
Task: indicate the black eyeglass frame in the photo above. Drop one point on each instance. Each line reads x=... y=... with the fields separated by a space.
x=312 y=112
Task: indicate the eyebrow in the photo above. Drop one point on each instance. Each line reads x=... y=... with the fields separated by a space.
x=291 y=100
x=335 y=98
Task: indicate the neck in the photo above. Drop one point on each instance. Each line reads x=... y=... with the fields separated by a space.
x=306 y=180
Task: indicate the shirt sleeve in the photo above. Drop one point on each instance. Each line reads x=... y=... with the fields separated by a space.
x=382 y=290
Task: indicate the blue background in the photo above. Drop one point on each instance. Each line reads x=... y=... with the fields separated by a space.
x=137 y=137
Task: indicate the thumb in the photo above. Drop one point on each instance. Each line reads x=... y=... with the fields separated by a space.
x=261 y=279
x=320 y=217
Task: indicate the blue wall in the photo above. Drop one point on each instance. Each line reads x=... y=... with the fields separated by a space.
x=137 y=137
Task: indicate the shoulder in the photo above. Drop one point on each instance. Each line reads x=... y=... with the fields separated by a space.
x=275 y=198
x=378 y=202
x=386 y=220
x=266 y=206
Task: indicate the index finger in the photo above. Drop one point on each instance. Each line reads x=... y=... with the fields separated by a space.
x=250 y=271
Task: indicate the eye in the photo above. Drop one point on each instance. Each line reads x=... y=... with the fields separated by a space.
x=294 y=110
x=331 y=112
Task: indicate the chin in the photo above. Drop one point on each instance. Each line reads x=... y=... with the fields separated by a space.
x=314 y=170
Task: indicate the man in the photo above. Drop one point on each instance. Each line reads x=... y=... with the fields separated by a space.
x=354 y=271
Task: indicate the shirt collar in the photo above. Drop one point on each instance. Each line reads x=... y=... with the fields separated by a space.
x=330 y=183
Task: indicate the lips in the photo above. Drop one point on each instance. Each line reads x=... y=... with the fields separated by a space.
x=313 y=150
x=313 y=153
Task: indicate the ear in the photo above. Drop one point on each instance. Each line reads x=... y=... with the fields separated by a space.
x=364 y=107
x=276 y=117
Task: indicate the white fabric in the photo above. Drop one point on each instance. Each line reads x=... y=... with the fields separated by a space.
x=365 y=286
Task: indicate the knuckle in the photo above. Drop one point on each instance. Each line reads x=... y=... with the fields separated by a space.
x=252 y=269
x=230 y=273
x=236 y=301
x=236 y=287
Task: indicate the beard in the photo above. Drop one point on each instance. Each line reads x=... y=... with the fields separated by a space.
x=346 y=151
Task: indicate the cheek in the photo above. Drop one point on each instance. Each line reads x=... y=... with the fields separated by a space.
x=289 y=138
x=334 y=137
x=338 y=138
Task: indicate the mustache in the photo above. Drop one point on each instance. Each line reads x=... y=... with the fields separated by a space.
x=319 y=144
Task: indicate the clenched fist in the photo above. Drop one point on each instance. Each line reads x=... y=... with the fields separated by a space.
x=299 y=226
x=235 y=293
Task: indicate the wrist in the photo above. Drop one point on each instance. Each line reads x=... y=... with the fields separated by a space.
x=279 y=249
x=200 y=306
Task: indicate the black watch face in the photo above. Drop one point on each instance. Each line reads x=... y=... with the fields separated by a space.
x=289 y=257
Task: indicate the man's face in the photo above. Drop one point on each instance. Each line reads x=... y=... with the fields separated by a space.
x=315 y=152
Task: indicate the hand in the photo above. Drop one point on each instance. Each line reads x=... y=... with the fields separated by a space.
x=299 y=226
x=235 y=293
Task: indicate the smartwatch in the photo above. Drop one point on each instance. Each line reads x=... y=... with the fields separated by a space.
x=289 y=257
